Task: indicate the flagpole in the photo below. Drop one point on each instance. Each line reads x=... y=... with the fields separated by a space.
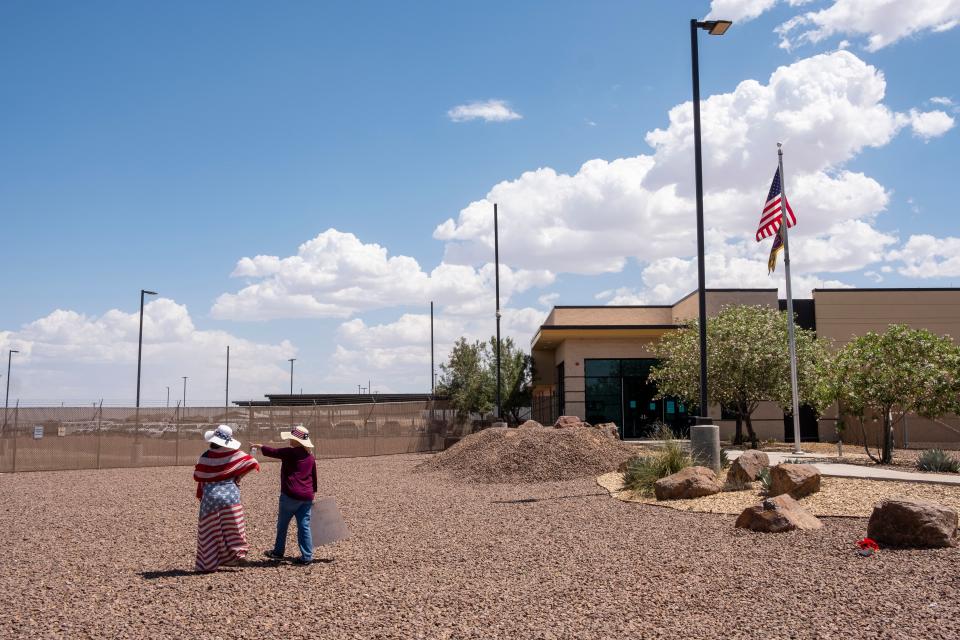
x=790 y=317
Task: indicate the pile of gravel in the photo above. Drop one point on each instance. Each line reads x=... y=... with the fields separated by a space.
x=539 y=454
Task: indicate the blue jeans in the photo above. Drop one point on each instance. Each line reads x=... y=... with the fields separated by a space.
x=288 y=509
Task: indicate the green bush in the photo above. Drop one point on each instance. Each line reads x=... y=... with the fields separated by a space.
x=765 y=479
x=938 y=460
x=643 y=471
x=724 y=459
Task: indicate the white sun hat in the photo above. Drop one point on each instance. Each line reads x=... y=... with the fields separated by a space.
x=223 y=436
x=300 y=434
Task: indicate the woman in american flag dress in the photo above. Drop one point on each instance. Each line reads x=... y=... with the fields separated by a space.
x=221 y=530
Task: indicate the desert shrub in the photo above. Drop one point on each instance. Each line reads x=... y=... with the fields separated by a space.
x=643 y=471
x=938 y=460
x=724 y=459
x=798 y=461
x=765 y=479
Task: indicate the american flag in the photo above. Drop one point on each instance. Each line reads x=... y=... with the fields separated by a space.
x=217 y=465
x=221 y=531
x=771 y=217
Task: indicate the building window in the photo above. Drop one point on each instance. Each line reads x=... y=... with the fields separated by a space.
x=620 y=391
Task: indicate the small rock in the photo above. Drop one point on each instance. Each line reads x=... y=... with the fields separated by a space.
x=775 y=515
x=798 y=480
x=568 y=422
x=747 y=467
x=913 y=523
x=531 y=424
x=610 y=430
x=692 y=482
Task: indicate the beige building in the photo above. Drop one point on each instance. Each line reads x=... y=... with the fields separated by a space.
x=593 y=361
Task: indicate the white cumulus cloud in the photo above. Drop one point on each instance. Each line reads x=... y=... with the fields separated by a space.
x=67 y=355
x=396 y=355
x=337 y=275
x=738 y=10
x=825 y=109
x=926 y=256
x=930 y=124
x=487 y=110
x=882 y=22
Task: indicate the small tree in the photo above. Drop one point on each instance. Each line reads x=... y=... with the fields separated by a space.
x=901 y=370
x=465 y=379
x=469 y=378
x=748 y=363
x=515 y=377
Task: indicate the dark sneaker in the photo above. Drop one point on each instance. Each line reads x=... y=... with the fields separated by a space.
x=273 y=555
x=303 y=561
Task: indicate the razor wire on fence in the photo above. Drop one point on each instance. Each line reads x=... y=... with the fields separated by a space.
x=97 y=437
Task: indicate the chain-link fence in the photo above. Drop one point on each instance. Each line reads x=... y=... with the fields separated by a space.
x=59 y=438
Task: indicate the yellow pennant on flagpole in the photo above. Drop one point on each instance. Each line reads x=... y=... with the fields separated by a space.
x=774 y=251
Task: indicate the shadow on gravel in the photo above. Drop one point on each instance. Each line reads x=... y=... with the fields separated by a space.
x=169 y=573
x=528 y=500
x=250 y=564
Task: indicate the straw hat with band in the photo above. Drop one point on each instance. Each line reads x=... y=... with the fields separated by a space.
x=298 y=434
x=223 y=436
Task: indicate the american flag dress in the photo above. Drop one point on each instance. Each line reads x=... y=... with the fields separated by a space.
x=221 y=529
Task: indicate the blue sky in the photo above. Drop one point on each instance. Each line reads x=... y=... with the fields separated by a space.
x=155 y=146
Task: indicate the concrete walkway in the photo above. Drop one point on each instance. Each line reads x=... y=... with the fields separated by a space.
x=840 y=470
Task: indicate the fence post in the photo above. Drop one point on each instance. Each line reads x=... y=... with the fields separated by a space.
x=250 y=436
x=16 y=417
x=99 y=432
x=177 y=455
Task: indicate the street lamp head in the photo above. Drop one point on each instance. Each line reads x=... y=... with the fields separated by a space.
x=715 y=27
x=148 y=293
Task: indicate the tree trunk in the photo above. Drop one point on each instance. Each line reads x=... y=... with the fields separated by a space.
x=866 y=441
x=754 y=443
x=738 y=435
x=887 y=455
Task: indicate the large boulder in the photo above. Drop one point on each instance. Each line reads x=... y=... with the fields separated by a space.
x=775 y=515
x=610 y=430
x=691 y=482
x=567 y=422
x=748 y=466
x=531 y=424
x=798 y=480
x=913 y=523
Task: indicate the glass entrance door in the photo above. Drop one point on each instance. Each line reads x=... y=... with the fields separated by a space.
x=640 y=410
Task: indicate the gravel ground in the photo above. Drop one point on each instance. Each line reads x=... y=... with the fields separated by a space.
x=837 y=496
x=109 y=553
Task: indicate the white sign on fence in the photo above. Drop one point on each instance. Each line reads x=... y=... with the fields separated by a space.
x=38 y=432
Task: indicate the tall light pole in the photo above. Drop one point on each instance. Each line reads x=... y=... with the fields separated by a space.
x=184 y=392
x=432 y=377
x=168 y=396
x=704 y=436
x=143 y=292
x=496 y=271
x=226 y=393
x=6 y=401
x=291 y=361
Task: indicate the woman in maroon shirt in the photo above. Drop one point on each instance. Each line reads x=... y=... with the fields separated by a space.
x=298 y=485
